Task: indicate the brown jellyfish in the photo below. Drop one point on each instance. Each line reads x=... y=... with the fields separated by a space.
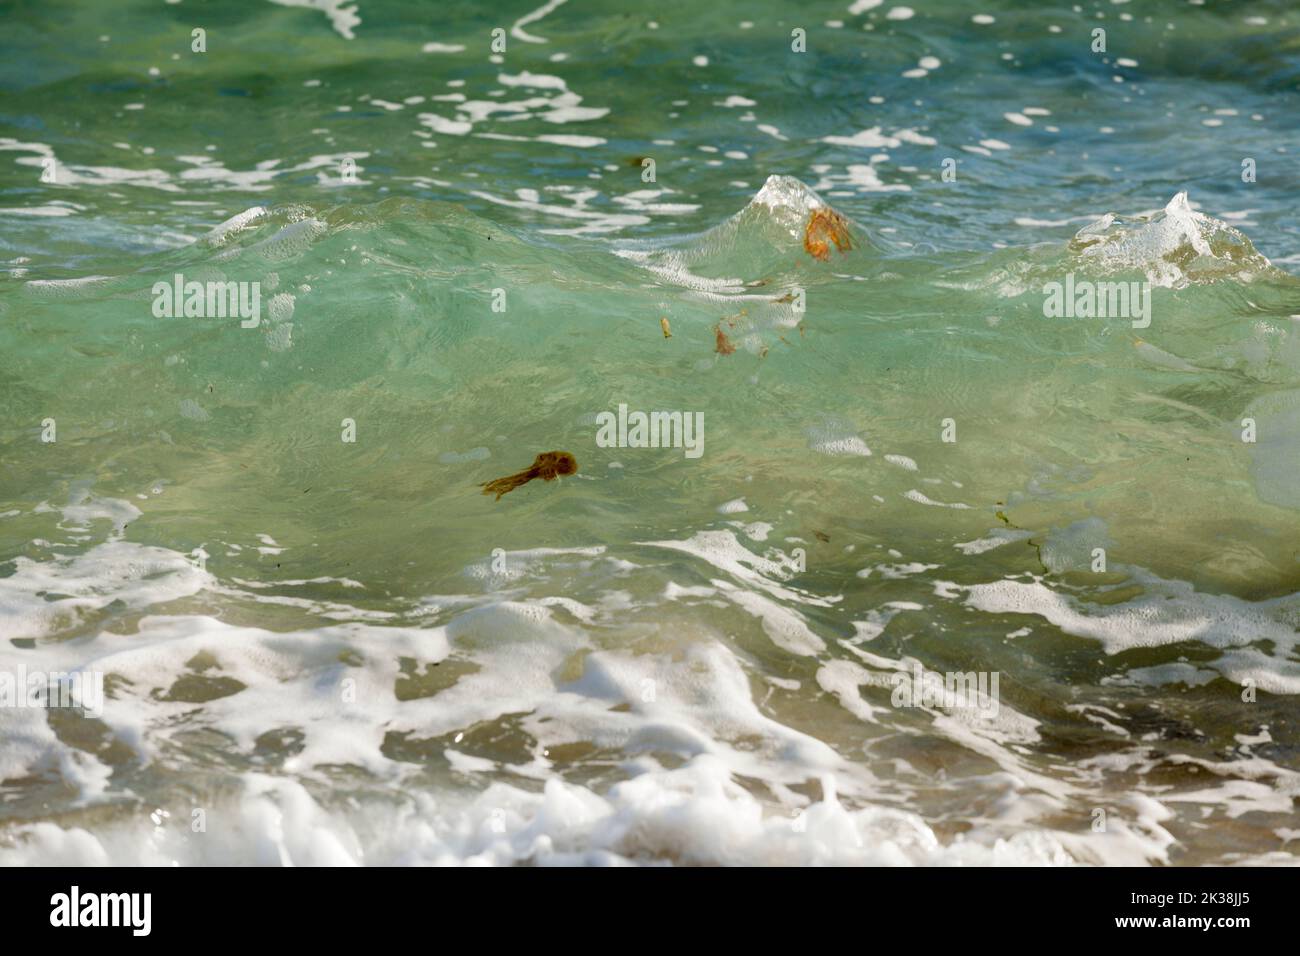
x=547 y=466
x=722 y=345
x=825 y=226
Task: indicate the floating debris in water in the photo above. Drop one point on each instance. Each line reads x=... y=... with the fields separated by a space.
x=546 y=466
x=722 y=344
x=826 y=224
x=663 y=324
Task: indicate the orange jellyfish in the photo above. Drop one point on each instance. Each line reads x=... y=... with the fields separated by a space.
x=825 y=226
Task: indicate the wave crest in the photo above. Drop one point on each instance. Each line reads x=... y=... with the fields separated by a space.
x=1176 y=247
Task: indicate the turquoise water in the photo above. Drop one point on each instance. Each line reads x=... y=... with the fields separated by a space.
x=320 y=642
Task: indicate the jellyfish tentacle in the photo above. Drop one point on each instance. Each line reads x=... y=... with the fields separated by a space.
x=548 y=466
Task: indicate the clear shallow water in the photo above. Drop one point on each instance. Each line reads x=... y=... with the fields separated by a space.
x=662 y=658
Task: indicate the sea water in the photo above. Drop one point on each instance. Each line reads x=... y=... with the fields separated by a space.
x=968 y=569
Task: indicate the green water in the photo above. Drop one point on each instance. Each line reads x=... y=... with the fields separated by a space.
x=461 y=264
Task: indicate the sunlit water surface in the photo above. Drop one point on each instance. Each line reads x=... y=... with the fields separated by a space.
x=321 y=643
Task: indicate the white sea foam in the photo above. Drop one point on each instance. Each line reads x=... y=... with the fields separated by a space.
x=681 y=711
x=695 y=814
x=342 y=14
x=1257 y=639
